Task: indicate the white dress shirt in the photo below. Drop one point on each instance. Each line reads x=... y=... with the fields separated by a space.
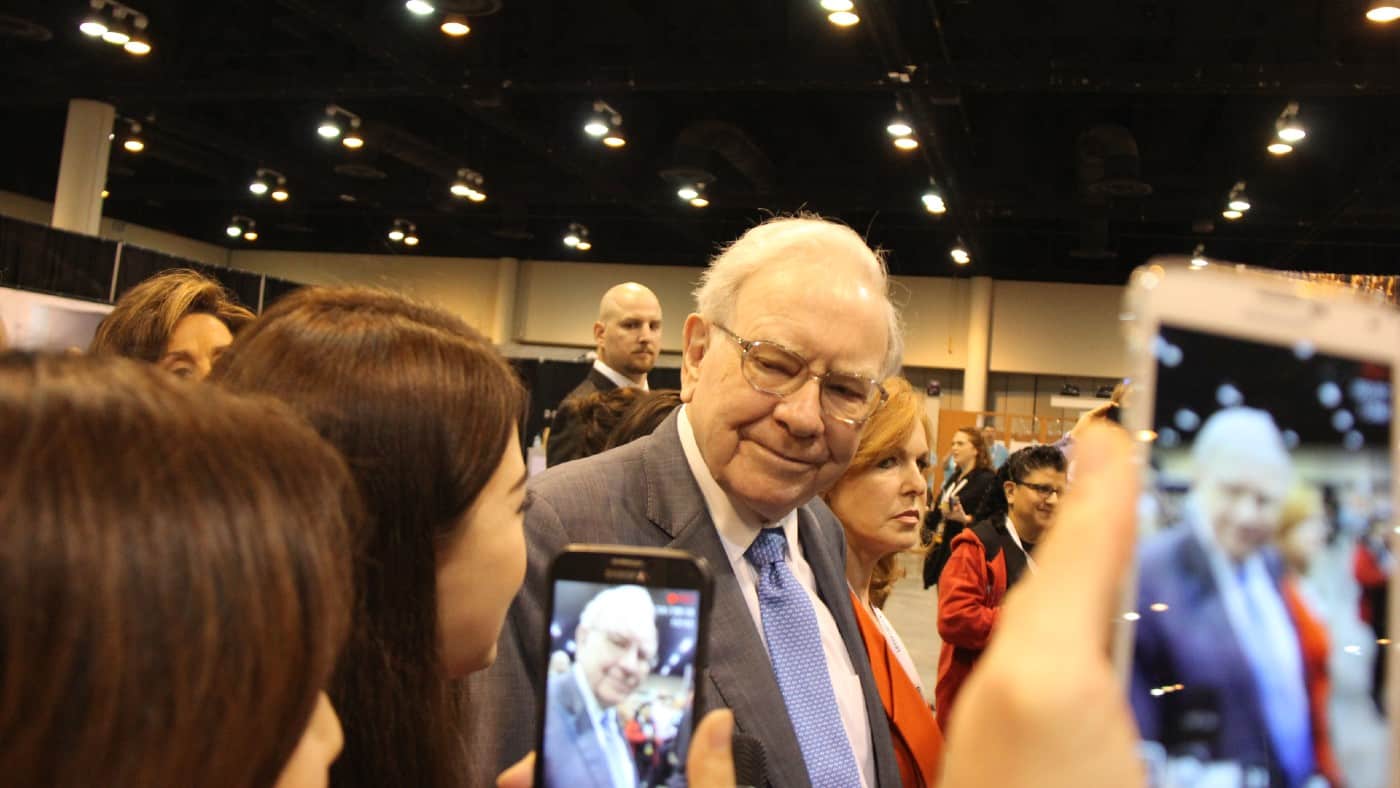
x=736 y=533
x=620 y=379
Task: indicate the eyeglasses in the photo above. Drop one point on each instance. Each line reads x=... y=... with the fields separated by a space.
x=773 y=369
x=1043 y=490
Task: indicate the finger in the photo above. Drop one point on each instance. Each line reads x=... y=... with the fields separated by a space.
x=710 y=763
x=1075 y=590
x=521 y=775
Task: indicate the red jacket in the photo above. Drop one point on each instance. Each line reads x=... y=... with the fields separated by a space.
x=1314 y=645
x=970 y=593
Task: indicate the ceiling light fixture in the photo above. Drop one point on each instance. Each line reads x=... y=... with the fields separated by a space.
x=132 y=142
x=1383 y=11
x=687 y=192
x=605 y=123
x=1238 y=200
x=469 y=184
x=117 y=29
x=838 y=5
x=694 y=194
x=933 y=200
x=341 y=122
x=1198 y=257
x=419 y=7
x=455 y=25
x=117 y=24
x=352 y=138
x=899 y=128
x=404 y=232
x=94 y=23
x=959 y=253
x=1287 y=127
x=269 y=182
x=843 y=18
x=1232 y=215
x=242 y=227
x=1279 y=148
x=576 y=237
x=906 y=143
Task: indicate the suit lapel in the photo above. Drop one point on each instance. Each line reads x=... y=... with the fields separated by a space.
x=583 y=735
x=739 y=667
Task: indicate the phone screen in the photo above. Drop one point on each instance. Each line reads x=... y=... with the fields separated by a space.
x=621 y=683
x=1260 y=628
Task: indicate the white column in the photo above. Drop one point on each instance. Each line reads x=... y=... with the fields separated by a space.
x=979 y=344
x=503 y=316
x=82 y=169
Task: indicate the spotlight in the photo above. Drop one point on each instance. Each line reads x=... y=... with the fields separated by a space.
x=117 y=31
x=106 y=194
x=1280 y=148
x=699 y=202
x=329 y=128
x=271 y=183
x=906 y=143
x=469 y=184
x=455 y=25
x=933 y=201
x=94 y=24
x=693 y=193
x=133 y=143
x=1231 y=214
x=687 y=192
x=605 y=123
x=576 y=237
x=1238 y=201
x=899 y=128
x=404 y=231
x=838 y=5
x=352 y=138
x=1198 y=257
x=242 y=227
x=138 y=45
x=1239 y=204
x=419 y=7
x=1383 y=11
x=959 y=253
x=843 y=18
x=1287 y=126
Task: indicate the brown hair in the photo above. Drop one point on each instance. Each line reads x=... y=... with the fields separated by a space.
x=174 y=577
x=885 y=432
x=597 y=413
x=139 y=326
x=984 y=457
x=1303 y=503
x=423 y=407
x=645 y=415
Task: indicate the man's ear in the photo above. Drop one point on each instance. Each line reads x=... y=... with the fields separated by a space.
x=1010 y=488
x=695 y=340
x=598 y=330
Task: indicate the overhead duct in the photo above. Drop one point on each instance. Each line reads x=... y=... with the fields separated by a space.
x=1108 y=167
x=699 y=145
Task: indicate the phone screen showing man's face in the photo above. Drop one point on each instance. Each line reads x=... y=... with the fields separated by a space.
x=621 y=683
x=1261 y=632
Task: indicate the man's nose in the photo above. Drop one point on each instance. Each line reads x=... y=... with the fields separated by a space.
x=801 y=411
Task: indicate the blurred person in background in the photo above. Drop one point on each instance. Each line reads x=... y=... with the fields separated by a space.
x=180 y=320
x=881 y=501
x=989 y=559
x=962 y=493
x=174 y=581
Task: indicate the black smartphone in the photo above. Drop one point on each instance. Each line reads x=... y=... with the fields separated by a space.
x=625 y=649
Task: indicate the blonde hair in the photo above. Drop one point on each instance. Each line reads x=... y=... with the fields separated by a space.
x=786 y=237
x=884 y=433
x=139 y=326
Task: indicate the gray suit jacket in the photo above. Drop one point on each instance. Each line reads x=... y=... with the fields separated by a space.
x=575 y=758
x=644 y=494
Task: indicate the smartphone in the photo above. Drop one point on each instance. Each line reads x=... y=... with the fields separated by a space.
x=625 y=648
x=1255 y=633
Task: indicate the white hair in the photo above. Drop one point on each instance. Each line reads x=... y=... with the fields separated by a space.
x=1233 y=432
x=776 y=239
x=627 y=601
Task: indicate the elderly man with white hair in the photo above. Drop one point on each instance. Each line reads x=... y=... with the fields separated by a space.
x=616 y=646
x=794 y=329
x=1218 y=669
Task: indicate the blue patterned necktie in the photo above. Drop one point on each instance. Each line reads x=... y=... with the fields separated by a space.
x=799 y=664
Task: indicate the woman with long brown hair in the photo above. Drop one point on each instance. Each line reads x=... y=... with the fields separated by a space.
x=174 y=581
x=179 y=320
x=881 y=500
x=426 y=413
x=957 y=502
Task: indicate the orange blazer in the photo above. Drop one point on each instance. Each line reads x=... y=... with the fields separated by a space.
x=918 y=743
x=1314 y=645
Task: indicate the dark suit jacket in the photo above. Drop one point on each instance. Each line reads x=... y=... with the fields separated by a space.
x=574 y=759
x=1217 y=716
x=565 y=438
x=979 y=482
x=644 y=494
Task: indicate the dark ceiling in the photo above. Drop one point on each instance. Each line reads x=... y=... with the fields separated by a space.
x=1028 y=113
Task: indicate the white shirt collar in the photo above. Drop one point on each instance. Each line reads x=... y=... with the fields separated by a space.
x=617 y=377
x=735 y=531
x=589 y=699
x=1015 y=537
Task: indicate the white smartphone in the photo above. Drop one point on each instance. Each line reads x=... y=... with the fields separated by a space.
x=1254 y=636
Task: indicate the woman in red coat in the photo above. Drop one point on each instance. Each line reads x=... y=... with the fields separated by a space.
x=881 y=501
